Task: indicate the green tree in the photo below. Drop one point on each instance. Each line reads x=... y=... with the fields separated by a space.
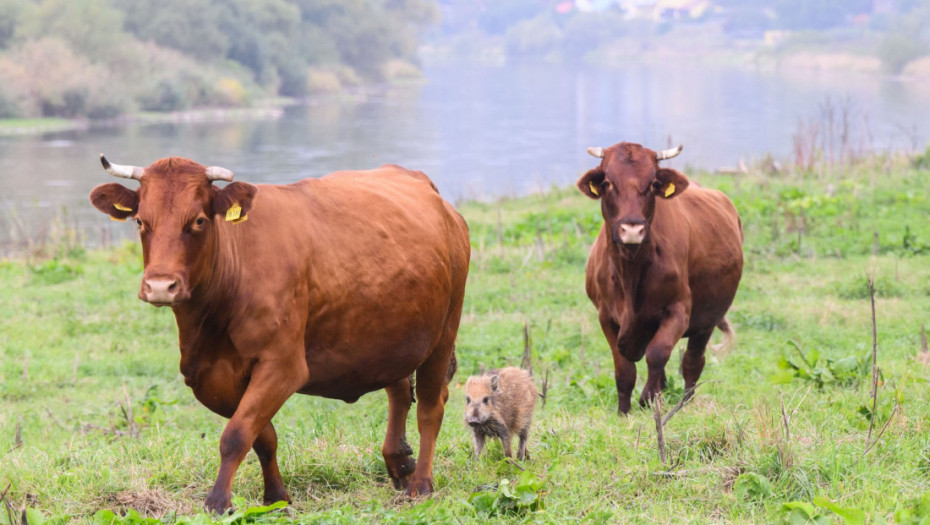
x=10 y=14
x=190 y=26
x=92 y=27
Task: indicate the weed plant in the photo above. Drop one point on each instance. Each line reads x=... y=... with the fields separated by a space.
x=96 y=423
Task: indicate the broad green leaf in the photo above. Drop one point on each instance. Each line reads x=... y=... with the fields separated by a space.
x=850 y=516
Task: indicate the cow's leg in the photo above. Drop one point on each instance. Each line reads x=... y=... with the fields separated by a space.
x=692 y=363
x=269 y=387
x=432 y=393
x=398 y=456
x=266 y=448
x=660 y=349
x=625 y=377
x=624 y=369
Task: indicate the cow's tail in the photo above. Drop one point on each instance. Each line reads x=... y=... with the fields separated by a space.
x=729 y=338
x=453 y=367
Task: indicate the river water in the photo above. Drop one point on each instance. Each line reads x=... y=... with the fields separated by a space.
x=480 y=131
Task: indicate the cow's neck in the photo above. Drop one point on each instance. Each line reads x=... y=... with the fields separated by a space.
x=632 y=263
x=210 y=305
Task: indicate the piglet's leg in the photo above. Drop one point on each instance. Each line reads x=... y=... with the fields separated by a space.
x=522 y=453
x=506 y=441
x=272 y=382
x=479 y=443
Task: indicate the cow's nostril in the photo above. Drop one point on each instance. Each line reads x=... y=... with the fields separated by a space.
x=173 y=287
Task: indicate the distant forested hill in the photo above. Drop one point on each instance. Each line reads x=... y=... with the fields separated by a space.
x=102 y=58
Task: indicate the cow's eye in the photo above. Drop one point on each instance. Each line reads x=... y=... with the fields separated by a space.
x=139 y=222
x=656 y=184
x=200 y=221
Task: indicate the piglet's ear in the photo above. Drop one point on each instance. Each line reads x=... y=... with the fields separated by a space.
x=495 y=383
x=116 y=200
x=669 y=183
x=234 y=201
x=590 y=183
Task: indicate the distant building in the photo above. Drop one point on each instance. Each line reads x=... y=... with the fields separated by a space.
x=680 y=9
x=884 y=6
x=637 y=9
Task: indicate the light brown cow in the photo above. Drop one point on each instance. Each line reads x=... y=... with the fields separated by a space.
x=666 y=265
x=335 y=287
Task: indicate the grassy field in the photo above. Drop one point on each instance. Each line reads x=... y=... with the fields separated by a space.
x=94 y=415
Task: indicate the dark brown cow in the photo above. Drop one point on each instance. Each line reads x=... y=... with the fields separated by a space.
x=665 y=265
x=333 y=287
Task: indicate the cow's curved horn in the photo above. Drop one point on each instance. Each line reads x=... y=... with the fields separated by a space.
x=117 y=170
x=596 y=152
x=218 y=173
x=668 y=153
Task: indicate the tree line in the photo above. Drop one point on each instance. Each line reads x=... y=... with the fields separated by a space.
x=102 y=58
x=893 y=30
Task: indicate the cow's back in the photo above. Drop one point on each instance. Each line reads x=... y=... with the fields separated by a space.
x=374 y=261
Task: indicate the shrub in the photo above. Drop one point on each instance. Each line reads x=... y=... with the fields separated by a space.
x=537 y=36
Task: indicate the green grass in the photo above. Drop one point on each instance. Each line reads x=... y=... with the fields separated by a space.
x=78 y=349
x=26 y=126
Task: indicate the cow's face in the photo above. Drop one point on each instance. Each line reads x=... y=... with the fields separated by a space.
x=627 y=182
x=176 y=209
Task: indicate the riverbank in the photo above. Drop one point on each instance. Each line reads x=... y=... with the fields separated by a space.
x=271 y=109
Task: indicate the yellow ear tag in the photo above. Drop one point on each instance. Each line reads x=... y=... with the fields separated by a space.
x=120 y=207
x=241 y=219
x=593 y=188
x=233 y=213
x=670 y=189
x=117 y=219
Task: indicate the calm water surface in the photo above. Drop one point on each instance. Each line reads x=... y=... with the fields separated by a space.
x=478 y=131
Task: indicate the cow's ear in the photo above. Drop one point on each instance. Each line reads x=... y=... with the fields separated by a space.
x=116 y=200
x=234 y=201
x=590 y=183
x=669 y=183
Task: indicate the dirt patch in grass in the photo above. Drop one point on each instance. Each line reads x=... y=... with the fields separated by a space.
x=149 y=503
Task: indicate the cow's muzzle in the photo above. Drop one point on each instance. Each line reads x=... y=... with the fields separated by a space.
x=162 y=291
x=632 y=232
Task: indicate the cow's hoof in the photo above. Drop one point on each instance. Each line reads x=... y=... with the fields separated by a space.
x=400 y=467
x=217 y=503
x=623 y=407
x=418 y=488
x=276 y=495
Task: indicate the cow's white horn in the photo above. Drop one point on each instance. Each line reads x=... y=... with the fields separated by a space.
x=668 y=153
x=218 y=173
x=596 y=152
x=117 y=170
